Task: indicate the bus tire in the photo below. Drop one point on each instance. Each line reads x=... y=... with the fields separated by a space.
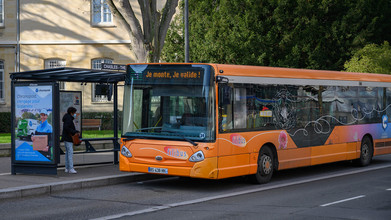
x=266 y=164
x=366 y=152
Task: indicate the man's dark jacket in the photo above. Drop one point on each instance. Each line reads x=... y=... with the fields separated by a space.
x=68 y=128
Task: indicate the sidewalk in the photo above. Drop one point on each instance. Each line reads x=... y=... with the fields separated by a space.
x=23 y=185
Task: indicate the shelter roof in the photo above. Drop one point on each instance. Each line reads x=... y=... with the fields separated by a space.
x=67 y=74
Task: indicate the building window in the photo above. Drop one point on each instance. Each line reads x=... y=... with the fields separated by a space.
x=1 y=80
x=1 y=13
x=101 y=13
x=97 y=65
x=56 y=63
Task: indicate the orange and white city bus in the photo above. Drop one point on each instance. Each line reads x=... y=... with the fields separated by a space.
x=217 y=121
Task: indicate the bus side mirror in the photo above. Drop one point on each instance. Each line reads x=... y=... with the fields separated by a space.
x=222 y=79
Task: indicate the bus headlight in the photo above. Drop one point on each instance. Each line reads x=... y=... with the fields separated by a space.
x=197 y=156
x=125 y=151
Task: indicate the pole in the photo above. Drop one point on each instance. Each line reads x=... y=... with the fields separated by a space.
x=186 y=14
x=13 y=171
x=115 y=143
x=17 y=54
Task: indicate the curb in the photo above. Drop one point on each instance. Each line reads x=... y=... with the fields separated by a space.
x=49 y=188
x=5 y=150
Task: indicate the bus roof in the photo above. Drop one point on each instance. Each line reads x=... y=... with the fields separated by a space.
x=290 y=73
x=277 y=72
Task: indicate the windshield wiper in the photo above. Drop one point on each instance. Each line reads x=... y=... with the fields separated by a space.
x=182 y=136
x=190 y=141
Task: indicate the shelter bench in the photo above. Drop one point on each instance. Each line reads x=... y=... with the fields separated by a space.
x=91 y=123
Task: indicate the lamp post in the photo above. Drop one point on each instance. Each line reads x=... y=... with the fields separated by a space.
x=186 y=14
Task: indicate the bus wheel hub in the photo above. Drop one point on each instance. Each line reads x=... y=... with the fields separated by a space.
x=266 y=164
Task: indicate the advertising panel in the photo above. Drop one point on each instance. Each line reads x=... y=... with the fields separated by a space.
x=33 y=115
x=71 y=99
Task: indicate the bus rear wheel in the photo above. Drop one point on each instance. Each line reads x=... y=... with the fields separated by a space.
x=265 y=166
x=366 y=152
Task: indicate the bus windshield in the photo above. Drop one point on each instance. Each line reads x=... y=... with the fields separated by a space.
x=169 y=102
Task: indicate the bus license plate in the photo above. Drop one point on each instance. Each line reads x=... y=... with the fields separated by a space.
x=157 y=170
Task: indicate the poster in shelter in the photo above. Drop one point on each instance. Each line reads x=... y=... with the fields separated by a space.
x=33 y=123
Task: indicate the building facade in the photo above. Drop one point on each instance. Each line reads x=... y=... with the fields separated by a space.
x=36 y=34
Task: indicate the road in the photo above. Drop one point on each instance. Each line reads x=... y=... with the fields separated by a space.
x=332 y=191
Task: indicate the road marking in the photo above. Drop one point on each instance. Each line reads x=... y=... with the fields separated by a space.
x=343 y=200
x=388 y=189
x=264 y=188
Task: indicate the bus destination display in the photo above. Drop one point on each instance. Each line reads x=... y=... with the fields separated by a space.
x=171 y=76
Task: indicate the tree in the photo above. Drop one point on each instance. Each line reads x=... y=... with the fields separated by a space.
x=147 y=39
x=300 y=34
x=371 y=59
x=174 y=47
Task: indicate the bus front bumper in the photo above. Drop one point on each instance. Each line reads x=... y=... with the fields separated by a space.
x=206 y=169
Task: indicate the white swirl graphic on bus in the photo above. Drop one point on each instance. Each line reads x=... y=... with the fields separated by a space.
x=323 y=126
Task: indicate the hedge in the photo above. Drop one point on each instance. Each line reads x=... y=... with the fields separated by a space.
x=5 y=122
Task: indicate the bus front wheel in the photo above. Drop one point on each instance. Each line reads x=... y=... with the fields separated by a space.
x=265 y=165
x=366 y=152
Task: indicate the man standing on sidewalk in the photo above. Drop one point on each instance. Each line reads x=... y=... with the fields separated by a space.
x=67 y=132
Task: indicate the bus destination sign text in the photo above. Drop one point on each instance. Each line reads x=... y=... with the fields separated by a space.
x=177 y=76
x=174 y=75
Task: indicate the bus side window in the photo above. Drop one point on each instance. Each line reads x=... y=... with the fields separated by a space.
x=225 y=107
x=240 y=108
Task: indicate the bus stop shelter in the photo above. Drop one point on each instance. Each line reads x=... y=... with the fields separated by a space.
x=34 y=92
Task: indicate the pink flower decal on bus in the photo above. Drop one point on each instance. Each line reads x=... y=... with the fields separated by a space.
x=238 y=140
x=283 y=140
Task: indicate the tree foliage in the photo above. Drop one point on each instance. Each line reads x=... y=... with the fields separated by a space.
x=301 y=34
x=371 y=59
